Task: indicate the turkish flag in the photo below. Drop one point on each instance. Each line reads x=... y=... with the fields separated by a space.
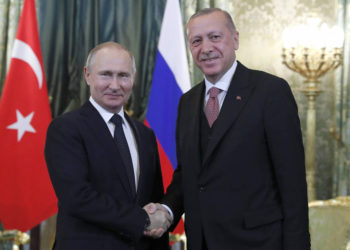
x=26 y=193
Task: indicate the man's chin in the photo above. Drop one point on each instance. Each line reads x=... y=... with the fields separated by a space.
x=210 y=68
x=113 y=100
x=113 y=107
x=211 y=74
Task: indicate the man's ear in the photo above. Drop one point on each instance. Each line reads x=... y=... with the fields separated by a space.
x=133 y=78
x=87 y=75
x=236 y=39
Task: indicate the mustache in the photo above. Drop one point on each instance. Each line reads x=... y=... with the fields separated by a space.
x=204 y=57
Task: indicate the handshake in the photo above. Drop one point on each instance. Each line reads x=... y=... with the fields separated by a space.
x=160 y=220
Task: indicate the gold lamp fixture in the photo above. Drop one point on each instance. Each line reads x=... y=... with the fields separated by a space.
x=312 y=49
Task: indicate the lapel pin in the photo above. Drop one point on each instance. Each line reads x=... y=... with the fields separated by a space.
x=238 y=98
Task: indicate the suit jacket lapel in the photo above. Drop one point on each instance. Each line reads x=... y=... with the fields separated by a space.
x=100 y=130
x=193 y=126
x=236 y=97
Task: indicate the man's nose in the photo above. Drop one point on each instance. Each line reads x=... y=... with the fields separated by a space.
x=207 y=46
x=114 y=84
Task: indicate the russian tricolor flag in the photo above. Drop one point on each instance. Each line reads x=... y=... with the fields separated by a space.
x=170 y=80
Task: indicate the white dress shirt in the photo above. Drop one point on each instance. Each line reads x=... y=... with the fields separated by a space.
x=129 y=135
x=223 y=84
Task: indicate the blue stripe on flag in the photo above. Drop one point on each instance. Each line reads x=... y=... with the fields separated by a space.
x=162 y=107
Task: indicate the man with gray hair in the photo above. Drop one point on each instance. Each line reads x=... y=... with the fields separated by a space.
x=104 y=166
x=240 y=178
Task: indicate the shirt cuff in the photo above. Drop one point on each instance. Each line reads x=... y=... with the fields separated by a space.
x=169 y=211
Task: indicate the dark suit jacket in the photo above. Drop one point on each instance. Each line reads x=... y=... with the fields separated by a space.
x=96 y=206
x=248 y=191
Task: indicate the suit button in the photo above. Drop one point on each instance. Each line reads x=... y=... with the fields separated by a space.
x=201 y=189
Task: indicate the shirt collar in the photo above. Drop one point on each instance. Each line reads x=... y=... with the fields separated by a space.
x=224 y=81
x=106 y=115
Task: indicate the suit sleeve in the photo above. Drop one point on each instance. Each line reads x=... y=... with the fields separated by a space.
x=157 y=195
x=282 y=128
x=158 y=187
x=68 y=164
x=174 y=194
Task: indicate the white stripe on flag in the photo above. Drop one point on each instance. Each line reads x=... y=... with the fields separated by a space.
x=173 y=51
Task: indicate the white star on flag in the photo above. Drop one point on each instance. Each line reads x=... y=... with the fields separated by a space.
x=22 y=124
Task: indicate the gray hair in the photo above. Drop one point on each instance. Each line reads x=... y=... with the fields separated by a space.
x=91 y=57
x=207 y=11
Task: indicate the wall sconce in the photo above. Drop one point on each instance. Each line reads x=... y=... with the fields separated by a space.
x=312 y=49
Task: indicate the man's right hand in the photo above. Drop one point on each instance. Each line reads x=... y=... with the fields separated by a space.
x=160 y=220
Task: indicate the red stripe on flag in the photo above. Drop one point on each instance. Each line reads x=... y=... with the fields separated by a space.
x=167 y=169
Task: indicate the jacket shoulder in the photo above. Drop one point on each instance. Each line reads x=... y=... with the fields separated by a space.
x=267 y=83
x=141 y=126
x=265 y=77
x=70 y=116
x=194 y=91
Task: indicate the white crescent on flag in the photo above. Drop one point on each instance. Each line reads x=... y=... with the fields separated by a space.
x=24 y=52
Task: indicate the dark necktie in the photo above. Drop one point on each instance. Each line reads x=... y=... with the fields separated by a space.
x=123 y=147
x=212 y=107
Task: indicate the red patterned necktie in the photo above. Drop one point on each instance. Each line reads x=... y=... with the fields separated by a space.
x=212 y=107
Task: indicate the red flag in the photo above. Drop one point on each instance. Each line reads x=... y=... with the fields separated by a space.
x=26 y=193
